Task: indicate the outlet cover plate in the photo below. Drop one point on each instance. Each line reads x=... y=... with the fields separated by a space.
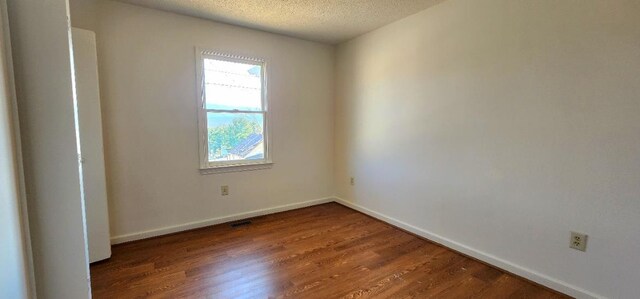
x=578 y=241
x=224 y=190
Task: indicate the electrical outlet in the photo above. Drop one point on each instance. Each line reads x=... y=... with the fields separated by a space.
x=352 y=181
x=578 y=241
x=224 y=190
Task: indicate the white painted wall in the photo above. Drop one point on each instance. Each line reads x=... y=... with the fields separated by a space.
x=15 y=272
x=502 y=125
x=148 y=92
x=40 y=37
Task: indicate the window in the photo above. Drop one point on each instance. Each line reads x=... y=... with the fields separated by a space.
x=232 y=113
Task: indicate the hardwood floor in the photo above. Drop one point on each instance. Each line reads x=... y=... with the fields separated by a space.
x=325 y=251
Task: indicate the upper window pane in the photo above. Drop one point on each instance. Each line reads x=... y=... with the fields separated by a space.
x=232 y=85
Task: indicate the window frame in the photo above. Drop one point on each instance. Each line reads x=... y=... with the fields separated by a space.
x=209 y=167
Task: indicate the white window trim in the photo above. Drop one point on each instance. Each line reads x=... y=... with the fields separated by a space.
x=207 y=167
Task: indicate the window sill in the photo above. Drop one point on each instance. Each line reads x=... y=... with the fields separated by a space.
x=236 y=168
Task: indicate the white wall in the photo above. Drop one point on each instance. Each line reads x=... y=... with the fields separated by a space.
x=40 y=40
x=15 y=273
x=502 y=125
x=148 y=90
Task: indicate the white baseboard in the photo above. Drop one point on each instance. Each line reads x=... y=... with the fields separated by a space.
x=208 y=222
x=529 y=274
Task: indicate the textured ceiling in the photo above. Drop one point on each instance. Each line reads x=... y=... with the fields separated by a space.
x=328 y=21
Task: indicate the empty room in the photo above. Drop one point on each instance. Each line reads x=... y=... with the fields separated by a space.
x=320 y=149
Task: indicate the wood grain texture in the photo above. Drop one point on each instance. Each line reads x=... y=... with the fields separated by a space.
x=324 y=251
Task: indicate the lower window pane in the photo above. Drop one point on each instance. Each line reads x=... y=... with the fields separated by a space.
x=235 y=136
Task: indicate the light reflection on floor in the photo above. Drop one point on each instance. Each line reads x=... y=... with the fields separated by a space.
x=242 y=274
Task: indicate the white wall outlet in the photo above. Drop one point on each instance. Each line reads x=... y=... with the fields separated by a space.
x=578 y=241
x=224 y=190
x=352 y=181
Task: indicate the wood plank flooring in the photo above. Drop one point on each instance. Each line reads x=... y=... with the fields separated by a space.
x=324 y=251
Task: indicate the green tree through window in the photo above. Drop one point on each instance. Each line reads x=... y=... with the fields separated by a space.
x=226 y=137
